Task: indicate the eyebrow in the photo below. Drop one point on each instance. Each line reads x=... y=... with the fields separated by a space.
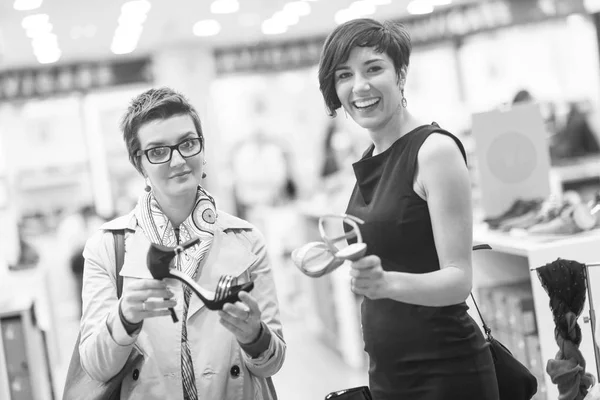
x=184 y=136
x=371 y=61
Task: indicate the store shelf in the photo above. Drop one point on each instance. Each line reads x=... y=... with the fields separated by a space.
x=578 y=169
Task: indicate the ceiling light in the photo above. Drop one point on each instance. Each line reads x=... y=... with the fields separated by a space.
x=45 y=41
x=34 y=20
x=207 y=27
x=380 y=2
x=132 y=19
x=285 y=18
x=362 y=8
x=136 y=7
x=417 y=7
x=273 y=27
x=48 y=57
x=224 y=6
x=26 y=5
x=37 y=30
x=299 y=8
x=123 y=45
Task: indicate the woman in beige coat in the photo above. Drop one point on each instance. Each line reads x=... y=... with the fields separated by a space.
x=232 y=352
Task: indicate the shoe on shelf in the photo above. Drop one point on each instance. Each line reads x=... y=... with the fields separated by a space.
x=574 y=218
x=518 y=208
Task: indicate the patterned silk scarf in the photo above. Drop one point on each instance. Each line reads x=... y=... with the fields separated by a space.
x=158 y=229
x=200 y=223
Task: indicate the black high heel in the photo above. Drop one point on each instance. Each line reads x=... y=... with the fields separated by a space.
x=159 y=259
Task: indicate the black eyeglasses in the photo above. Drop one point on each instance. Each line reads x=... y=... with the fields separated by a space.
x=162 y=154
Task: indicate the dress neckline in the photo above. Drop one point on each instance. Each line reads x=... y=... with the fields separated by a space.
x=369 y=152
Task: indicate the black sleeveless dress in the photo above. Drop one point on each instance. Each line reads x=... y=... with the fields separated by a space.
x=415 y=352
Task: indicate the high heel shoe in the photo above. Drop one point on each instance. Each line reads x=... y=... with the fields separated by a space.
x=159 y=260
x=316 y=259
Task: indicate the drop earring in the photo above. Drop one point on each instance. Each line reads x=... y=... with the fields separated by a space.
x=403 y=101
x=203 y=173
x=148 y=188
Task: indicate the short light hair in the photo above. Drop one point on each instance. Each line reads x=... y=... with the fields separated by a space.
x=153 y=104
x=388 y=37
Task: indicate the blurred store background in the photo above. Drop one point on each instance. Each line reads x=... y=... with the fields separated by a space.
x=68 y=69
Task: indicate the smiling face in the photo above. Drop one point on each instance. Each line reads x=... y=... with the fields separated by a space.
x=368 y=87
x=179 y=176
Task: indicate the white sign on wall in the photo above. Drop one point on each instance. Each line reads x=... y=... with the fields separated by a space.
x=511 y=147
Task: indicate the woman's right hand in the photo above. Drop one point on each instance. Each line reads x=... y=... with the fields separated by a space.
x=146 y=298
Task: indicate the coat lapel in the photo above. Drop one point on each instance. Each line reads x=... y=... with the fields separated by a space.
x=227 y=256
x=136 y=251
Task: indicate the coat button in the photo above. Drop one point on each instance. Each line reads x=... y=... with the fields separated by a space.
x=235 y=371
x=136 y=374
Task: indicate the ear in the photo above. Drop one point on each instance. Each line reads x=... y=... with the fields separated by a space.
x=402 y=77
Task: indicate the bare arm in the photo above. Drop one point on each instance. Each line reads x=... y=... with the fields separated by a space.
x=443 y=180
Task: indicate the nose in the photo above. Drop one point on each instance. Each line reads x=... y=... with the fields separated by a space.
x=177 y=158
x=361 y=84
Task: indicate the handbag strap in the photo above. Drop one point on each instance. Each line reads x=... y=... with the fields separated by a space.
x=486 y=328
x=119 y=237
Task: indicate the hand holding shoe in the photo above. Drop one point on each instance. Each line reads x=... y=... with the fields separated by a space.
x=242 y=318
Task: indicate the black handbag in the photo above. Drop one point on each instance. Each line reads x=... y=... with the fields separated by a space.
x=78 y=384
x=515 y=381
x=357 y=393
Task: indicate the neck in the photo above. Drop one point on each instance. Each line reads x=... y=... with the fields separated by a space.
x=402 y=123
x=177 y=208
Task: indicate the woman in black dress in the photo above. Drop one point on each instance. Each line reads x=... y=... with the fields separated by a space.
x=413 y=192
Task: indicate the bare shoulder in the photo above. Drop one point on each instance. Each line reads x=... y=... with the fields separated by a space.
x=439 y=147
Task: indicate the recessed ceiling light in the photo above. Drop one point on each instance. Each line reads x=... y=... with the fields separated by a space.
x=419 y=7
x=26 y=5
x=439 y=2
x=34 y=20
x=224 y=6
x=207 y=27
x=136 y=7
x=285 y=18
x=48 y=57
x=362 y=8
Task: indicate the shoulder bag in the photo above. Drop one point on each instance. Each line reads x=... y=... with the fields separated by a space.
x=79 y=385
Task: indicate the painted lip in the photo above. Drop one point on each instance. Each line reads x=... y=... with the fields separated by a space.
x=177 y=175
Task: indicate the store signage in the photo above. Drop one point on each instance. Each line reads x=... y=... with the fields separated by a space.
x=513 y=160
x=42 y=82
x=269 y=56
x=451 y=23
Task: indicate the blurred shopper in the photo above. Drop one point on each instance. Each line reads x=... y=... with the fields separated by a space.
x=413 y=192
x=73 y=231
x=227 y=354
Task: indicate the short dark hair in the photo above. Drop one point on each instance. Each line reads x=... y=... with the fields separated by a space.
x=153 y=104
x=386 y=37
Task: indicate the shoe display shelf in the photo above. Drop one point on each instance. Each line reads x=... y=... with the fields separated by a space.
x=512 y=261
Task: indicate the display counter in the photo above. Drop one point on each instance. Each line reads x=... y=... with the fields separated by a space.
x=25 y=368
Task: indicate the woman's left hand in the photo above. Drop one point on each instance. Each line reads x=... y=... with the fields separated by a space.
x=369 y=278
x=242 y=318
